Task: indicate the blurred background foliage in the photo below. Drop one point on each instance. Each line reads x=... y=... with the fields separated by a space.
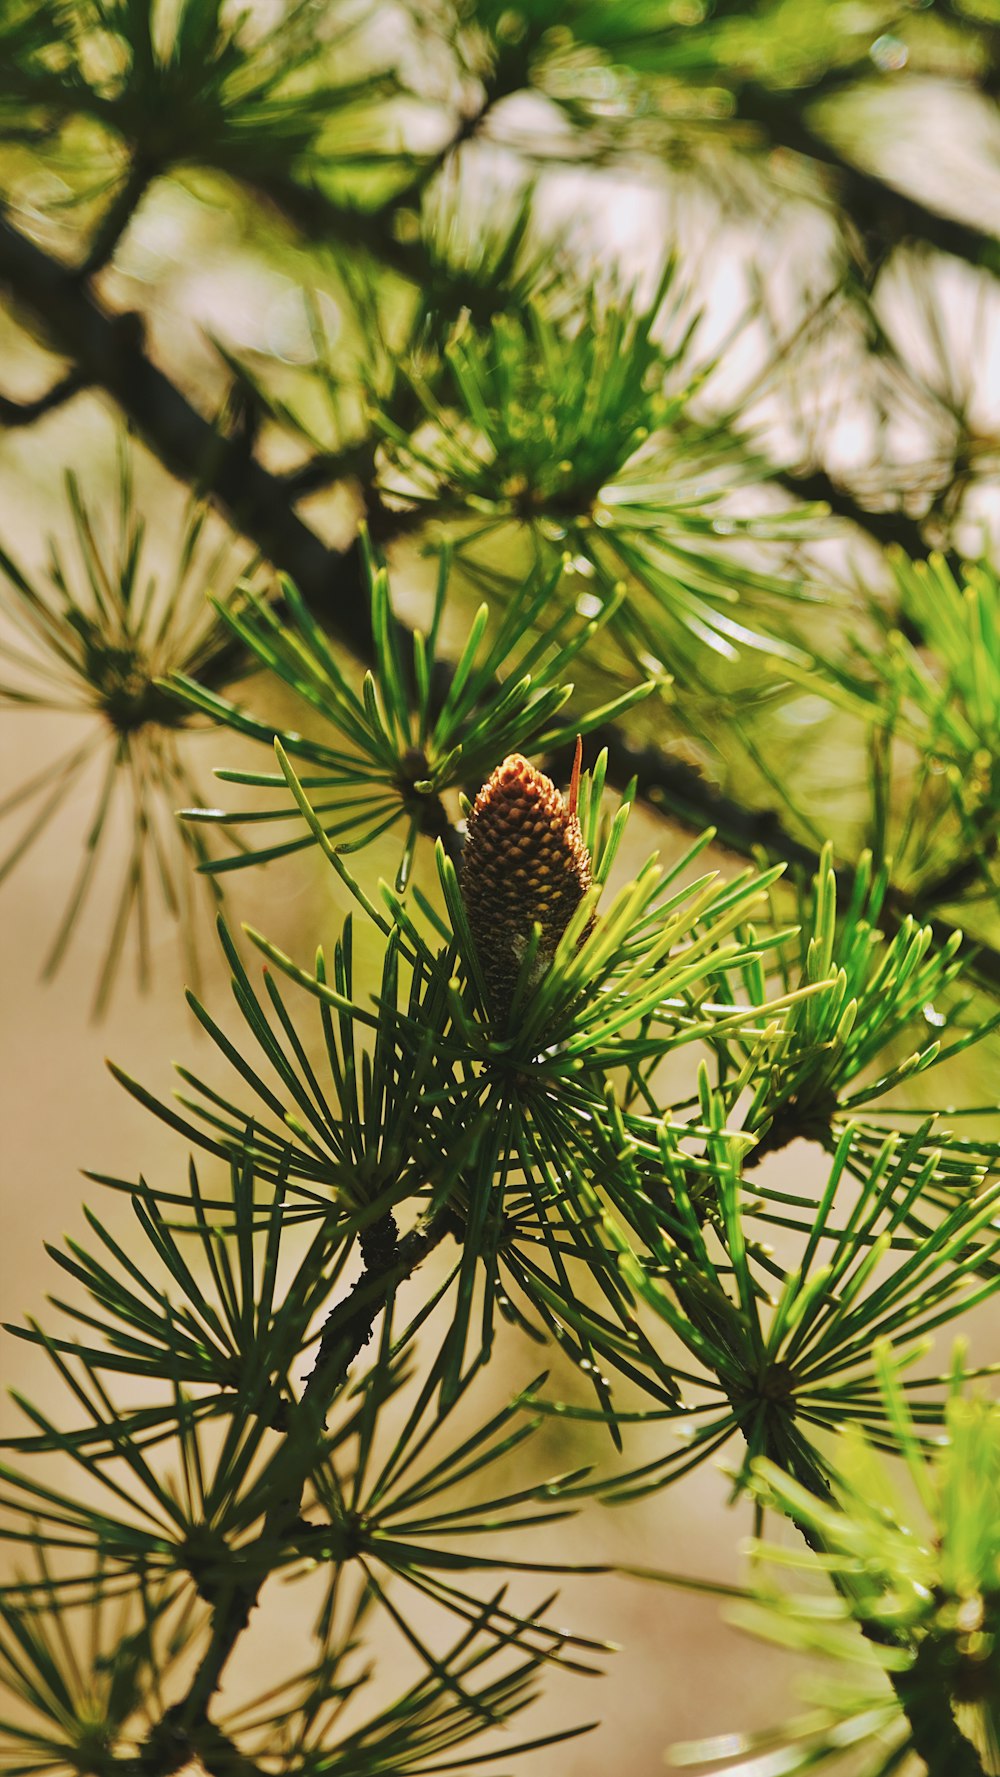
x=665 y=334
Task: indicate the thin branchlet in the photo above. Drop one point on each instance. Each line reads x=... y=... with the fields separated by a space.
x=388 y=1262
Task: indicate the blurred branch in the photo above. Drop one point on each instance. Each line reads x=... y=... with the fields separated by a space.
x=923 y=1691
x=119 y=213
x=882 y=214
x=887 y=526
x=25 y=413
x=318 y=217
x=677 y=788
x=108 y=353
x=326 y=468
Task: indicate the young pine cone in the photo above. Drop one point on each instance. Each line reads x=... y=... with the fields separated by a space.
x=524 y=863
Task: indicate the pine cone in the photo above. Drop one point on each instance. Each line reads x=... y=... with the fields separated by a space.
x=524 y=862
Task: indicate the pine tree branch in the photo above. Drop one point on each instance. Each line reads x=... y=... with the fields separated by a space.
x=168 y=1748
x=923 y=1690
x=119 y=213
x=924 y=1693
x=886 y=526
x=14 y=414
x=108 y=353
x=388 y=1263
x=676 y=787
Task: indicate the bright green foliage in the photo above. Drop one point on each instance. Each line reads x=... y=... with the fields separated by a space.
x=488 y=1118
x=657 y=74
x=405 y=739
x=945 y=703
x=870 y=991
x=917 y=1570
x=781 y=1367
x=584 y=429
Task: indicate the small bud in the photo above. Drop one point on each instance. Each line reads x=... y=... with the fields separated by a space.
x=524 y=863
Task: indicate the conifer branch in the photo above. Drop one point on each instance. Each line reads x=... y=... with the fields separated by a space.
x=108 y=353
x=388 y=1262
x=680 y=789
x=886 y=525
x=924 y=1688
x=510 y=1024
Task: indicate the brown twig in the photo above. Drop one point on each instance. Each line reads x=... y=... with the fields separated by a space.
x=388 y=1263
x=14 y=414
x=108 y=353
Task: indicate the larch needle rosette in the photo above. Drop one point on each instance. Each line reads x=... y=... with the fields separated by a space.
x=524 y=864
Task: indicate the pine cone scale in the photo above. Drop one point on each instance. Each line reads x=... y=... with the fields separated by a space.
x=525 y=863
